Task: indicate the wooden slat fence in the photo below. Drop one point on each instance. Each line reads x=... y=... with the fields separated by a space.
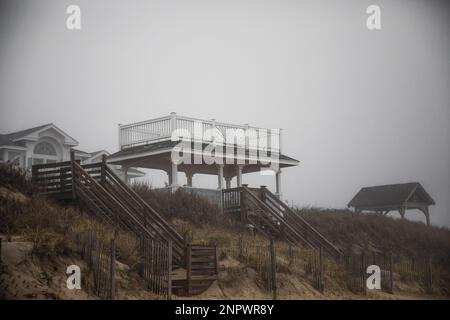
x=261 y=257
x=100 y=257
x=156 y=266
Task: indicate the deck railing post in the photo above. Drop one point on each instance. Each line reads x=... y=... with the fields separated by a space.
x=173 y=122
x=72 y=165
x=120 y=136
x=103 y=170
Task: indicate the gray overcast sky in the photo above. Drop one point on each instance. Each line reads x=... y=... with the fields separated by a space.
x=358 y=107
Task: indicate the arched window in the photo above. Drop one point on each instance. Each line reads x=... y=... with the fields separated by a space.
x=45 y=148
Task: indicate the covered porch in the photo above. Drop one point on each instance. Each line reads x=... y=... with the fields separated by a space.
x=151 y=145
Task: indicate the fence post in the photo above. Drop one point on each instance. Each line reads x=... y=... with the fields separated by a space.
x=391 y=274
x=169 y=270
x=0 y=251
x=241 y=248
x=141 y=255
x=112 y=269
x=321 y=271
x=291 y=255
x=273 y=269
x=188 y=269
x=363 y=275
x=430 y=273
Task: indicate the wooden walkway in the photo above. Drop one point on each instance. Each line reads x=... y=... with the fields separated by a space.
x=273 y=218
x=103 y=194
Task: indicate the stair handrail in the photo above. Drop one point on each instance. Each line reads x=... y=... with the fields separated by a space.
x=302 y=220
x=162 y=223
x=278 y=217
x=78 y=167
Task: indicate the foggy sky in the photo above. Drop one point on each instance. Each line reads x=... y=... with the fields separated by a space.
x=357 y=107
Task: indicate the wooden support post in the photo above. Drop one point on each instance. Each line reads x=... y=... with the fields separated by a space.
x=216 y=259
x=321 y=271
x=363 y=274
x=430 y=274
x=391 y=273
x=169 y=270
x=112 y=269
x=241 y=248
x=188 y=269
x=141 y=255
x=103 y=170
x=72 y=164
x=290 y=255
x=273 y=270
x=263 y=190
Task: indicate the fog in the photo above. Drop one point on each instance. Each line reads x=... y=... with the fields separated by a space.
x=357 y=107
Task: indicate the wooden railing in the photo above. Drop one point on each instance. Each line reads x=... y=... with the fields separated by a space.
x=308 y=232
x=107 y=197
x=270 y=219
x=161 y=129
x=273 y=217
x=231 y=199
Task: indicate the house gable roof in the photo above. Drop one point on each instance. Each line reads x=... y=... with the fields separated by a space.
x=31 y=134
x=391 y=195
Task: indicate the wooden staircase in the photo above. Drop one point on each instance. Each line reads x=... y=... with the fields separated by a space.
x=273 y=218
x=103 y=194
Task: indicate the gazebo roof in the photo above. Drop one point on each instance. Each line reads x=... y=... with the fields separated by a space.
x=391 y=195
x=157 y=155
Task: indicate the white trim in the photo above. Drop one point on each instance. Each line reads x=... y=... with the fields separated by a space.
x=32 y=135
x=151 y=153
x=13 y=147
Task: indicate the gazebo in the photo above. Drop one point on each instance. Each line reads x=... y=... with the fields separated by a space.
x=151 y=144
x=393 y=197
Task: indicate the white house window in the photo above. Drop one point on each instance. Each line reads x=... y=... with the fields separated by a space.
x=45 y=148
x=43 y=152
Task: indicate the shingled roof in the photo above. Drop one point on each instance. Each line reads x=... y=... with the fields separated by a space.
x=391 y=195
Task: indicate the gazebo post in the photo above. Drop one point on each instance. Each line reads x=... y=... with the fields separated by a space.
x=239 y=175
x=278 y=183
x=174 y=176
x=189 y=176
x=427 y=214
x=220 y=176
x=401 y=210
x=125 y=173
x=228 y=182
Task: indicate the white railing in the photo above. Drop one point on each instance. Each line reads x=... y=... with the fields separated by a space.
x=161 y=129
